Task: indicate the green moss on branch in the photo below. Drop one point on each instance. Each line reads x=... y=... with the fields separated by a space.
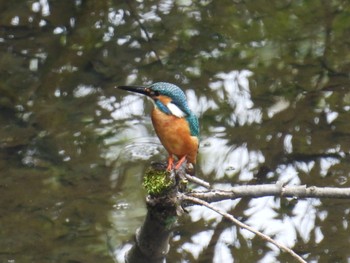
x=157 y=182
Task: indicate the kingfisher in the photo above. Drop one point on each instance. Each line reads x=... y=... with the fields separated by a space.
x=174 y=123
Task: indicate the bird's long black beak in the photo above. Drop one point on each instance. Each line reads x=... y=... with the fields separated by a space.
x=137 y=89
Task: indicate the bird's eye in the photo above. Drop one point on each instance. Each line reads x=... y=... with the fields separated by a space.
x=154 y=93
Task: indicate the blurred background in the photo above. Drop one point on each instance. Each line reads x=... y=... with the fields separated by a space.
x=269 y=81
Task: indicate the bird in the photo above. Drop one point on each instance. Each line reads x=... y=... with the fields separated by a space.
x=176 y=126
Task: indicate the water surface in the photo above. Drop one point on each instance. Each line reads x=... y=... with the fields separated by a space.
x=269 y=82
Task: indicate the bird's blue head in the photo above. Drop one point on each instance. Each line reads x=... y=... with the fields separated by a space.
x=174 y=93
x=170 y=99
x=163 y=94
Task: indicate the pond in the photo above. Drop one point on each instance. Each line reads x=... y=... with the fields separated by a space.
x=268 y=80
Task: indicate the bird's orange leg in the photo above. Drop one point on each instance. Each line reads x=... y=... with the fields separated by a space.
x=180 y=162
x=170 y=163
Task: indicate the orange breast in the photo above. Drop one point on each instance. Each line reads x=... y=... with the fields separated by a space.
x=174 y=133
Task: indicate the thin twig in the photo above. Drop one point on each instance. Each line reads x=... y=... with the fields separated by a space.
x=183 y=173
x=242 y=225
x=196 y=180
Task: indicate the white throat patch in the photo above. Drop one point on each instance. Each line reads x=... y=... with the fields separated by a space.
x=175 y=110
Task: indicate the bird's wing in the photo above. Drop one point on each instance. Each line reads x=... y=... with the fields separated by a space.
x=194 y=124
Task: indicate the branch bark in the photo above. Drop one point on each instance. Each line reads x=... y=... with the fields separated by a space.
x=278 y=189
x=151 y=243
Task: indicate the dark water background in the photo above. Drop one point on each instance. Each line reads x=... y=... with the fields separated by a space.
x=269 y=81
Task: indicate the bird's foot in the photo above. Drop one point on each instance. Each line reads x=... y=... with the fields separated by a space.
x=180 y=162
x=170 y=163
x=178 y=165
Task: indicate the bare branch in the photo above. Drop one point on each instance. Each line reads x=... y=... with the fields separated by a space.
x=242 y=225
x=197 y=180
x=254 y=191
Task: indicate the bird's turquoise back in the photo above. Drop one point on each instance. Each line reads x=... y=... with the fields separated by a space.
x=194 y=124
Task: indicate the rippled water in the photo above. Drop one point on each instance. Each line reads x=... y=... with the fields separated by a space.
x=268 y=81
